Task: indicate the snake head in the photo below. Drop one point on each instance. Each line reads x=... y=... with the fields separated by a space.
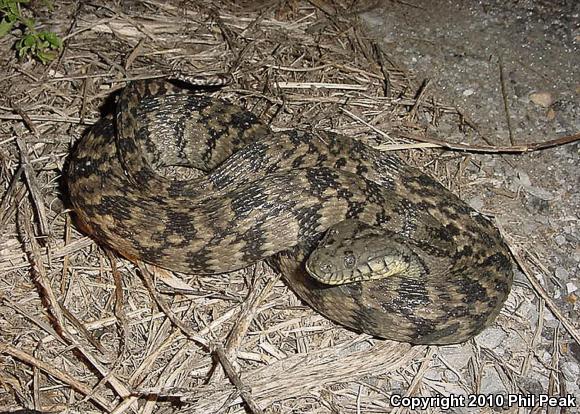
x=352 y=251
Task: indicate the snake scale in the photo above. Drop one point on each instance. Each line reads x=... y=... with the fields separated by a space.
x=280 y=196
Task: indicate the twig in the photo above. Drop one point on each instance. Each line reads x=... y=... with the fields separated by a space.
x=386 y=76
x=7 y=208
x=320 y=85
x=40 y=277
x=569 y=326
x=50 y=118
x=554 y=364
x=516 y=149
x=505 y=101
x=27 y=121
x=244 y=390
x=436 y=143
x=56 y=373
x=33 y=186
x=419 y=98
x=186 y=330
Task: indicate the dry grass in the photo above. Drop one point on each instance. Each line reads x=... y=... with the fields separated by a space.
x=83 y=330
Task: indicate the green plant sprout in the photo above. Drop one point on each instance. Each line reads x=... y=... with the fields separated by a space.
x=42 y=45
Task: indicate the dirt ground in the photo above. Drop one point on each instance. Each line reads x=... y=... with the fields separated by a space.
x=512 y=69
x=83 y=331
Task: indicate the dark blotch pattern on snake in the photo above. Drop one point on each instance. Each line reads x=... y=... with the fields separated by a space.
x=273 y=196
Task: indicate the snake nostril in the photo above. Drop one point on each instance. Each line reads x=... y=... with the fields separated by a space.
x=325 y=267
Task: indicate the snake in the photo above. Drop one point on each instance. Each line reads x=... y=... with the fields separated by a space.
x=367 y=240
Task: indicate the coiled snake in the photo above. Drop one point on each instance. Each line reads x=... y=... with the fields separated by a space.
x=439 y=271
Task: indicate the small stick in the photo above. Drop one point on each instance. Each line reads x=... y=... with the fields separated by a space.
x=321 y=85
x=50 y=118
x=419 y=99
x=244 y=390
x=56 y=373
x=33 y=186
x=386 y=76
x=505 y=101
x=186 y=330
x=16 y=195
x=516 y=149
x=569 y=326
x=25 y=118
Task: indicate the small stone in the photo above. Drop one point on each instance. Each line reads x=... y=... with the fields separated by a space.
x=543 y=99
x=433 y=375
x=491 y=382
x=560 y=239
x=515 y=343
x=528 y=310
x=476 y=203
x=524 y=179
x=456 y=356
x=468 y=92
x=491 y=338
x=571 y=371
x=550 y=320
x=540 y=193
x=561 y=274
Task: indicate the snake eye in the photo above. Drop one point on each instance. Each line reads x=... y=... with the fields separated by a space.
x=349 y=260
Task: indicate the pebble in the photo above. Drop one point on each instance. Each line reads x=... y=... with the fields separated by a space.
x=543 y=99
x=491 y=382
x=490 y=338
x=550 y=320
x=561 y=273
x=571 y=371
x=515 y=343
x=528 y=311
x=524 y=179
x=571 y=287
x=476 y=203
x=560 y=239
x=456 y=356
x=433 y=375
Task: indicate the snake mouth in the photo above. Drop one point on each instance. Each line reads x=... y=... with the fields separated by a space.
x=321 y=271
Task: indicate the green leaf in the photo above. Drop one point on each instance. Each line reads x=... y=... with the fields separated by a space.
x=22 y=50
x=52 y=38
x=43 y=57
x=29 y=40
x=13 y=8
x=5 y=27
x=41 y=46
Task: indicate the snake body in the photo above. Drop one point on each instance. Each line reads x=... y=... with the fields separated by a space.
x=274 y=196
